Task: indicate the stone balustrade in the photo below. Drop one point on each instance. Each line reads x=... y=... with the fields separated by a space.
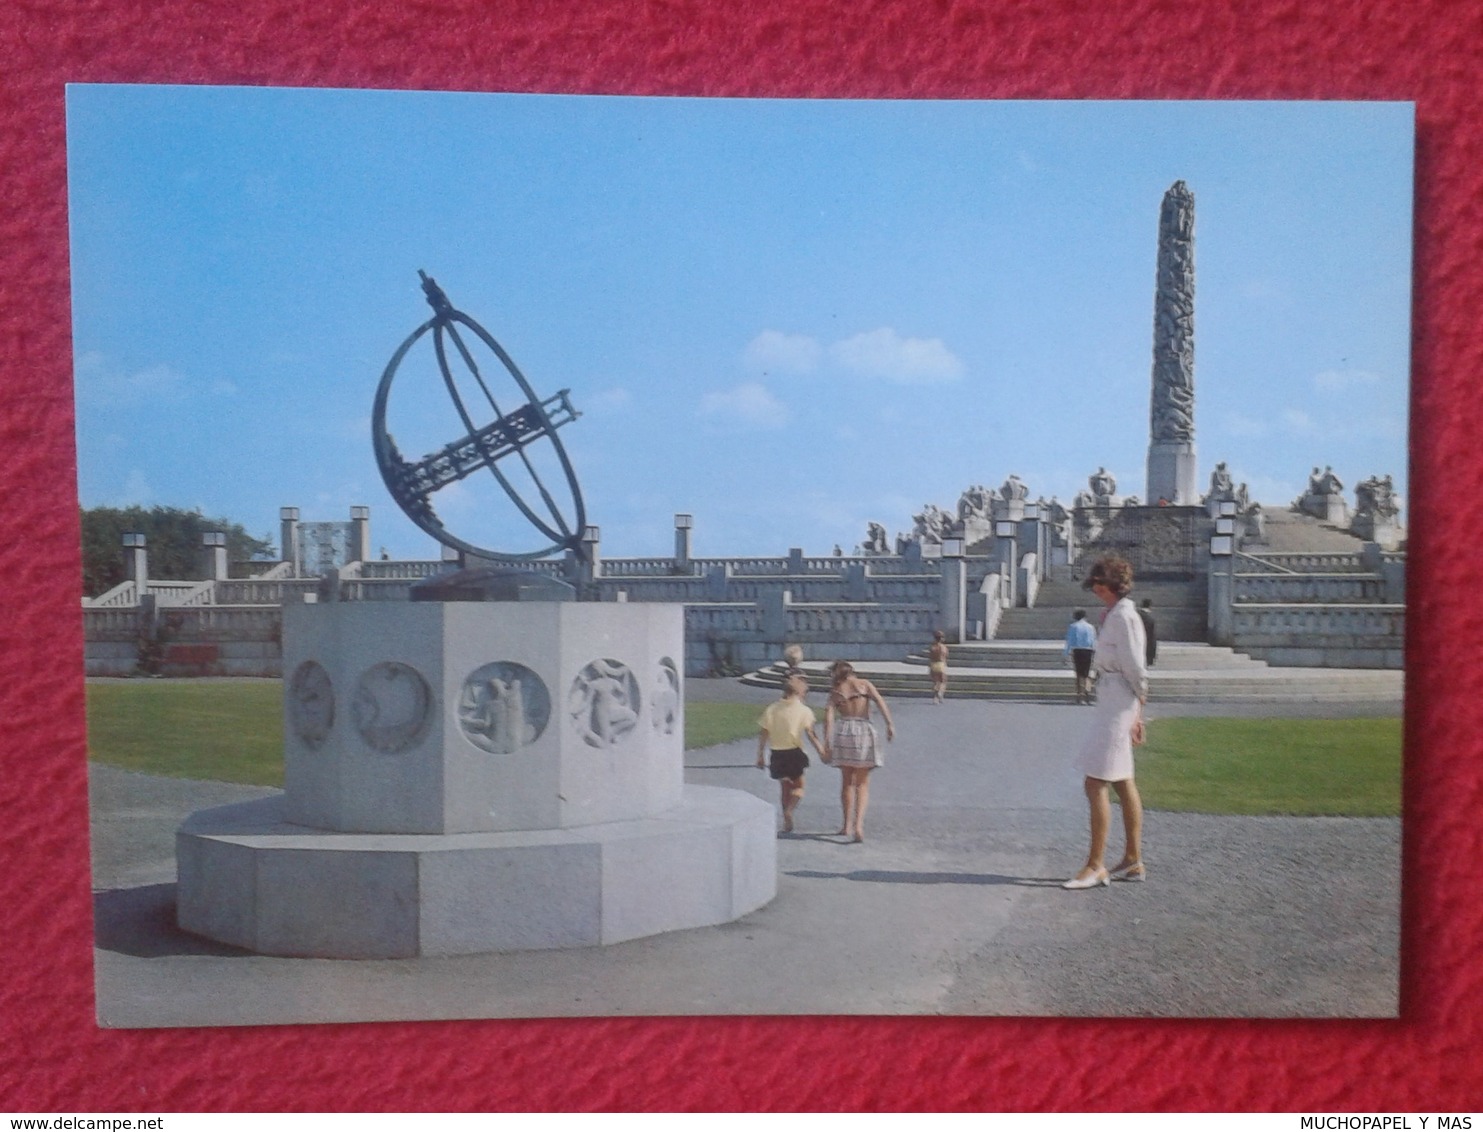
x=125 y=595
x=263 y=590
x=649 y=567
x=1308 y=588
x=1330 y=562
x=1322 y=635
x=401 y=570
x=854 y=623
x=223 y=622
x=1319 y=620
x=730 y=619
x=110 y=623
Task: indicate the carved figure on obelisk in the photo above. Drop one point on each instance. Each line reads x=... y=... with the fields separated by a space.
x=1171 y=453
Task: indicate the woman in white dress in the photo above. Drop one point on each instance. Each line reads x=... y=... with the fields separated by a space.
x=1106 y=757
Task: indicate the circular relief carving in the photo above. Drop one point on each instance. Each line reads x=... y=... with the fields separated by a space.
x=664 y=700
x=311 y=703
x=391 y=706
x=503 y=706
x=604 y=703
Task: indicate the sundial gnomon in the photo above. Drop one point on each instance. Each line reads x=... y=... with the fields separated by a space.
x=508 y=437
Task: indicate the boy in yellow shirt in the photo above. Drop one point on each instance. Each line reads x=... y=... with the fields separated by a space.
x=783 y=725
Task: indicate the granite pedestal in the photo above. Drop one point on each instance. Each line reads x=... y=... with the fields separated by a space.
x=476 y=776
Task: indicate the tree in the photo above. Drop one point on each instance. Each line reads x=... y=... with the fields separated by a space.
x=172 y=537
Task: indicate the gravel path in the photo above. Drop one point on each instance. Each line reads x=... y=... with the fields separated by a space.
x=952 y=906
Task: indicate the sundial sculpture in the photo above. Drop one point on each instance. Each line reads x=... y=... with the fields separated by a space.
x=510 y=436
x=491 y=765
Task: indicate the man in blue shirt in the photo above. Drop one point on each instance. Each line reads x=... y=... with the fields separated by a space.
x=1081 y=639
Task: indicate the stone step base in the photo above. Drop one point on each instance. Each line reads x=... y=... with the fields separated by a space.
x=1048 y=654
x=1213 y=685
x=250 y=879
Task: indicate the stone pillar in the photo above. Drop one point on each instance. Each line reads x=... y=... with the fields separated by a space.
x=1171 y=445
x=136 y=560
x=214 y=556
x=592 y=553
x=953 y=597
x=718 y=582
x=683 y=523
x=795 y=560
x=774 y=604
x=1006 y=554
x=288 y=519
x=1220 y=594
x=360 y=535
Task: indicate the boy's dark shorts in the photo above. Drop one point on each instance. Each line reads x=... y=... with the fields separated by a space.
x=790 y=762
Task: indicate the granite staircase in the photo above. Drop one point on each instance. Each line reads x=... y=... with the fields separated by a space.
x=1186 y=672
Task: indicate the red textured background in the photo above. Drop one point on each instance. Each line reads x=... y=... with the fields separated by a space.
x=53 y=1057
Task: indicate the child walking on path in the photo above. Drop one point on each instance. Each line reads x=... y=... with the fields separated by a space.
x=783 y=725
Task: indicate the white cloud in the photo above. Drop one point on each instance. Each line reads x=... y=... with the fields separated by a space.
x=772 y=351
x=749 y=403
x=885 y=354
x=1341 y=380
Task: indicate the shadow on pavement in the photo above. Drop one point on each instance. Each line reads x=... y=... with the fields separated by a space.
x=886 y=876
x=141 y=922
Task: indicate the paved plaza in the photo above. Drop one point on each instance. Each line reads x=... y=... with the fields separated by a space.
x=951 y=906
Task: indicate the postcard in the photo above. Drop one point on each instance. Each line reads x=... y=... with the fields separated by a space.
x=571 y=555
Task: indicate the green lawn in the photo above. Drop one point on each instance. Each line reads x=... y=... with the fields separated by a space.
x=221 y=732
x=233 y=732
x=1347 y=767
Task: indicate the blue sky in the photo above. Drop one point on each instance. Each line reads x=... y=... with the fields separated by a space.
x=788 y=318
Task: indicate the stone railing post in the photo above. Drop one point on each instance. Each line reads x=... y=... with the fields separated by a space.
x=288 y=522
x=718 y=582
x=953 y=596
x=214 y=556
x=774 y=606
x=795 y=560
x=592 y=552
x=136 y=560
x=683 y=525
x=1006 y=554
x=360 y=534
x=1220 y=594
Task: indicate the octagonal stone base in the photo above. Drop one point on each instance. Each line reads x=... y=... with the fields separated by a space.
x=249 y=878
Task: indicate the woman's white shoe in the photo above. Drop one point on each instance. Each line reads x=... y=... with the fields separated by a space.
x=1091 y=880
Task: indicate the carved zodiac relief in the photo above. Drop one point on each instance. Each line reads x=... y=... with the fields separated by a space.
x=311 y=703
x=391 y=706
x=604 y=703
x=664 y=701
x=503 y=706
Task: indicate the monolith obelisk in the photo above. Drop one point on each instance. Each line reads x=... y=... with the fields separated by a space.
x=1171 y=434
